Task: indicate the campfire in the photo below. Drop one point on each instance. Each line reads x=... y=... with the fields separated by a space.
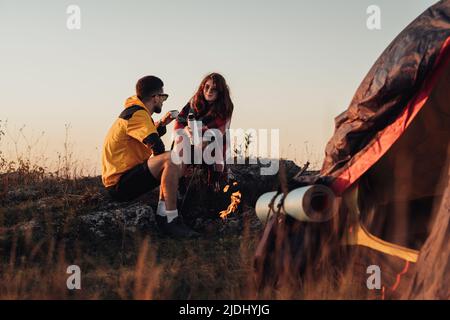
x=235 y=201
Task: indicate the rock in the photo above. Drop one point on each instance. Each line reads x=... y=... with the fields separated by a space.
x=253 y=184
x=22 y=194
x=81 y=209
x=131 y=218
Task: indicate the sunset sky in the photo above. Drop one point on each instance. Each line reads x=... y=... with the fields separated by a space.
x=292 y=65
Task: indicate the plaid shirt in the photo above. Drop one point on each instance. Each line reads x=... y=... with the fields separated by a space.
x=208 y=121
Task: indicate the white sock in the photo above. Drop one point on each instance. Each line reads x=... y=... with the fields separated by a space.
x=171 y=214
x=161 y=210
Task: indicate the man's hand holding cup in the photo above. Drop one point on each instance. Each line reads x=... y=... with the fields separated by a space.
x=169 y=117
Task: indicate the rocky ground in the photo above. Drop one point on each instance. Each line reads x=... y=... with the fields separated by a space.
x=85 y=204
x=48 y=223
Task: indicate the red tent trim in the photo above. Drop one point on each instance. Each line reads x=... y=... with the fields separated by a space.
x=389 y=135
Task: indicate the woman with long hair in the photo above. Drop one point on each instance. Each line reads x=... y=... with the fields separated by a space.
x=211 y=105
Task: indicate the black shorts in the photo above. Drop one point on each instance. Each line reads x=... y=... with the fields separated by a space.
x=133 y=183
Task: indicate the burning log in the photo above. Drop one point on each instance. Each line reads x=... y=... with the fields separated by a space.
x=235 y=201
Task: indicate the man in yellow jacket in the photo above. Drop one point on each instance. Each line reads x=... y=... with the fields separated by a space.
x=134 y=160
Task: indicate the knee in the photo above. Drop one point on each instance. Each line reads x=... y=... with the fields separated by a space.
x=164 y=158
x=169 y=164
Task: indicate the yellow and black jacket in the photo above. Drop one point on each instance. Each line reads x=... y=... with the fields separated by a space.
x=131 y=140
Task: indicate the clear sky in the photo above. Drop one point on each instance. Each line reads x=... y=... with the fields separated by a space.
x=292 y=65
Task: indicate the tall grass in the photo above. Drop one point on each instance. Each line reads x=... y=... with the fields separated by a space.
x=39 y=240
x=34 y=261
x=24 y=151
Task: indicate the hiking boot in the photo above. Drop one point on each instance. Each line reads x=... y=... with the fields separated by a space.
x=176 y=229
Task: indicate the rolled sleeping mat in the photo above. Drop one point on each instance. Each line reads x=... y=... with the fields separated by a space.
x=310 y=204
x=262 y=205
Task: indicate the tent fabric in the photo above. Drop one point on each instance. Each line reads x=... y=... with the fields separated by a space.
x=389 y=98
x=400 y=193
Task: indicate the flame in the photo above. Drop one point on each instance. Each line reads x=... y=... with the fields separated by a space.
x=235 y=200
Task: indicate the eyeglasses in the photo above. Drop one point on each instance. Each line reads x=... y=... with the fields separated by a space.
x=211 y=88
x=163 y=96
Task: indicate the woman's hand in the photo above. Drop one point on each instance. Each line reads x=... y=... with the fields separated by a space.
x=188 y=131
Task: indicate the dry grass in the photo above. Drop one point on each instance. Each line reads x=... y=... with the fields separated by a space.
x=33 y=262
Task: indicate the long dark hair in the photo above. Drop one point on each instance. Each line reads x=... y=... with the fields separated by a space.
x=222 y=107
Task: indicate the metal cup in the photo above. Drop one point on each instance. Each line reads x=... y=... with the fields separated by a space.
x=174 y=114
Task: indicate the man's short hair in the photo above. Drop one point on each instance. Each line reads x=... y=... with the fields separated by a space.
x=148 y=86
